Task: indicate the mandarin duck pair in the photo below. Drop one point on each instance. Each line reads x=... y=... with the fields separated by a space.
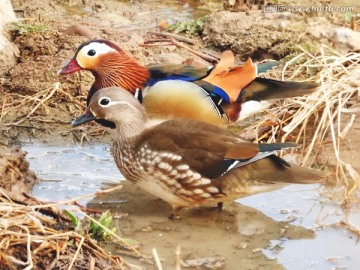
x=220 y=94
x=187 y=159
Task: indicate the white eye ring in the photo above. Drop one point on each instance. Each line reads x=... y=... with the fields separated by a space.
x=104 y=102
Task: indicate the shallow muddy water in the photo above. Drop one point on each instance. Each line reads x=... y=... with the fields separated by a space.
x=136 y=15
x=291 y=228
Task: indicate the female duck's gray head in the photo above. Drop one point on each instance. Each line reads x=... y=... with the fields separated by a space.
x=116 y=108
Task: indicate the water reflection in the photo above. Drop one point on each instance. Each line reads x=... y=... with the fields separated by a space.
x=332 y=247
x=72 y=171
x=291 y=228
x=239 y=233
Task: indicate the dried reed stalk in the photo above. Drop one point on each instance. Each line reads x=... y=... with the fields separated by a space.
x=309 y=120
x=28 y=239
x=13 y=101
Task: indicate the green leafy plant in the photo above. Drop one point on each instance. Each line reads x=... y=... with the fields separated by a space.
x=348 y=16
x=73 y=218
x=99 y=232
x=190 y=27
x=22 y=28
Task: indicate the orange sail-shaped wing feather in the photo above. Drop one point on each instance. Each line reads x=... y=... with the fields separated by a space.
x=227 y=60
x=232 y=79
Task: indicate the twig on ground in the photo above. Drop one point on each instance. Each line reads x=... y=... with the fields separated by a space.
x=173 y=36
x=24 y=126
x=174 y=40
x=157 y=44
x=201 y=55
x=178 y=258
x=352 y=228
x=76 y=199
x=157 y=259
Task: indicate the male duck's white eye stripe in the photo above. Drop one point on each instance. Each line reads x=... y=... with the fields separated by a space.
x=123 y=103
x=100 y=48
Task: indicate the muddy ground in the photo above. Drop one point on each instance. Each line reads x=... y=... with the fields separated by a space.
x=45 y=41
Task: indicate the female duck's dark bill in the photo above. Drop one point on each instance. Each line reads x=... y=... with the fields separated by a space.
x=83 y=119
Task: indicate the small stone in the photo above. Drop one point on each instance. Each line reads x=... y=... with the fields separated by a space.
x=217 y=262
x=147 y=229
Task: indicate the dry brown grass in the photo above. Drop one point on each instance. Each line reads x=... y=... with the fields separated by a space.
x=34 y=103
x=43 y=113
x=330 y=112
x=32 y=240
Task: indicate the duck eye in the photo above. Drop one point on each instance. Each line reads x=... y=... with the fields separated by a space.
x=91 y=52
x=104 y=101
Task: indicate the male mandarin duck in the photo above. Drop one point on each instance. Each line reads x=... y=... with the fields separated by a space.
x=207 y=94
x=201 y=165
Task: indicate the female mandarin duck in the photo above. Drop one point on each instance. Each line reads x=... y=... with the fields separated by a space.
x=201 y=165
x=211 y=95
